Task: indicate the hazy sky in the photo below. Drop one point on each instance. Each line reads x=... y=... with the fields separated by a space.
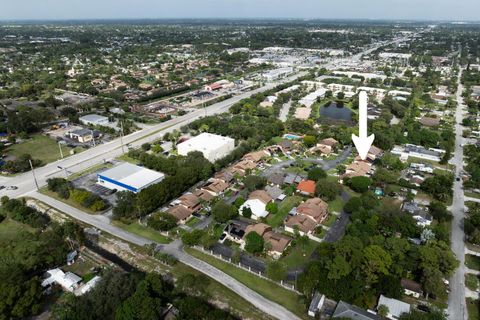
x=331 y=9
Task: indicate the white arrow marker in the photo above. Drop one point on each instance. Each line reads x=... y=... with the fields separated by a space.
x=363 y=143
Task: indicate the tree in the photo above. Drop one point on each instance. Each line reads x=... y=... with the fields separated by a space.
x=376 y=262
x=193 y=238
x=439 y=211
x=272 y=207
x=383 y=310
x=253 y=182
x=328 y=190
x=254 y=243
x=360 y=184
x=162 y=221
x=247 y=212
x=309 y=141
x=125 y=207
x=316 y=174
x=223 y=212
x=276 y=270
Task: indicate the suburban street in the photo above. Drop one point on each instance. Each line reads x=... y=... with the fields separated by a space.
x=175 y=249
x=456 y=299
x=112 y=149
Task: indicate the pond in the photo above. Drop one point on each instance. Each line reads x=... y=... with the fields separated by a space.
x=333 y=111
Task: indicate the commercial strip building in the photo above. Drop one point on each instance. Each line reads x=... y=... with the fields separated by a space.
x=212 y=146
x=94 y=120
x=128 y=177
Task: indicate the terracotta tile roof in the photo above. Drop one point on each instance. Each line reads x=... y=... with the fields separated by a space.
x=203 y=194
x=306 y=186
x=430 y=122
x=216 y=186
x=256 y=156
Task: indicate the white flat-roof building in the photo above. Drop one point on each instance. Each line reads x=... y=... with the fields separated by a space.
x=94 y=120
x=277 y=73
x=212 y=146
x=128 y=177
x=311 y=98
x=68 y=281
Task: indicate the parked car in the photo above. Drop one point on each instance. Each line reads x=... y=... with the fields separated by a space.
x=11 y=188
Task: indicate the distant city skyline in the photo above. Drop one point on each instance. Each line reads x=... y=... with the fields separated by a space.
x=460 y=10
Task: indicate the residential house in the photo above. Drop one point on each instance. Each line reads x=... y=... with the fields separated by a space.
x=357 y=169
x=203 y=195
x=307 y=216
x=235 y=231
x=69 y=281
x=292 y=178
x=190 y=201
x=411 y=288
x=316 y=304
x=216 y=186
x=257 y=156
x=329 y=142
x=395 y=307
x=274 y=192
x=347 y=311
x=276 y=178
x=429 y=122
x=278 y=242
x=180 y=213
x=81 y=135
x=257 y=203
x=306 y=187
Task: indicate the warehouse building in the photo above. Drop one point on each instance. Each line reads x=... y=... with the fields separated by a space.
x=128 y=177
x=94 y=120
x=212 y=146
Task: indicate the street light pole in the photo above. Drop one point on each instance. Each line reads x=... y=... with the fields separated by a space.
x=121 y=136
x=60 y=147
x=93 y=137
x=33 y=172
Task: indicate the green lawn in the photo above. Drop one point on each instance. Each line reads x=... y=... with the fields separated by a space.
x=330 y=221
x=471 y=281
x=10 y=229
x=69 y=201
x=473 y=307
x=472 y=195
x=336 y=205
x=142 y=231
x=40 y=148
x=472 y=262
x=192 y=222
x=299 y=255
x=126 y=158
x=268 y=289
x=218 y=292
x=276 y=220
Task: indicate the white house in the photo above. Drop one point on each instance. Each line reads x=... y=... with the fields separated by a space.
x=212 y=146
x=257 y=206
x=395 y=307
x=68 y=281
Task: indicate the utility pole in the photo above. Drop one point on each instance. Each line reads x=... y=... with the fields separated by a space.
x=93 y=137
x=33 y=172
x=60 y=147
x=121 y=136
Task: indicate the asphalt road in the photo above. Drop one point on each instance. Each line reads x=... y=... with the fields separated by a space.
x=79 y=162
x=175 y=249
x=456 y=299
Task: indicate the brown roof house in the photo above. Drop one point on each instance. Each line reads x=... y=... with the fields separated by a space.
x=411 y=288
x=257 y=156
x=309 y=215
x=181 y=213
x=430 y=122
x=216 y=186
x=357 y=169
x=190 y=201
x=277 y=242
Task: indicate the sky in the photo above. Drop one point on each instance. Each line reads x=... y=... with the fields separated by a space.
x=458 y=10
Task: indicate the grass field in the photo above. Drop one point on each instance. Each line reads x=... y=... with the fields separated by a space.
x=268 y=289
x=472 y=262
x=10 y=229
x=192 y=222
x=473 y=307
x=299 y=255
x=276 y=220
x=472 y=281
x=70 y=202
x=40 y=148
x=142 y=231
x=336 y=205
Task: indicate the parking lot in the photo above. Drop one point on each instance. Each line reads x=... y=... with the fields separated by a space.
x=89 y=182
